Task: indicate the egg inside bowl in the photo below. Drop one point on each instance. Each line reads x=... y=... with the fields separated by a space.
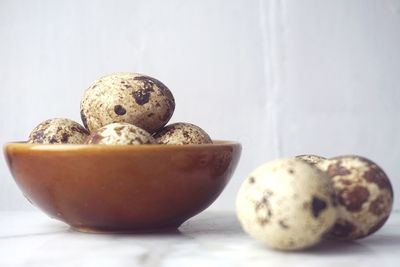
x=122 y=188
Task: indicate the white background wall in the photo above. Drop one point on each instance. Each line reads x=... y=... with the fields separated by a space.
x=281 y=77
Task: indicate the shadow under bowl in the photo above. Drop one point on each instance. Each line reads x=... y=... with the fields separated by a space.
x=103 y=188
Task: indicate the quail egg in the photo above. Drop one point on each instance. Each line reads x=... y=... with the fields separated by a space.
x=58 y=131
x=364 y=194
x=286 y=204
x=127 y=97
x=312 y=159
x=120 y=134
x=182 y=134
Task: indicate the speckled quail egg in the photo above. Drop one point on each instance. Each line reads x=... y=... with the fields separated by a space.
x=312 y=159
x=286 y=204
x=58 y=131
x=364 y=194
x=120 y=133
x=127 y=97
x=182 y=134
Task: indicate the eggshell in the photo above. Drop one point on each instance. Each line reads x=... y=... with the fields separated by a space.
x=120 y=134
x=127 y=97
x=312 y=159
x=58 y=131
x=364 y=194
x=182 y=134
x=286 y=204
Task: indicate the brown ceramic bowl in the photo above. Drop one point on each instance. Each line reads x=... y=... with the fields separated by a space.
x=122 y=188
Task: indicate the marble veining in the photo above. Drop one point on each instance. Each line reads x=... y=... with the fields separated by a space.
x=210 y=239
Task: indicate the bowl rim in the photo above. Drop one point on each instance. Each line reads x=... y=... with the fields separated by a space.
x=22 y=145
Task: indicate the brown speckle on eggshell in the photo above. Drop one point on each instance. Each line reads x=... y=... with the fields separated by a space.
x=364 y=194
x=120 y=134
x=286 y=204
x=58 y=131
x=127 y=97
x=182 y=134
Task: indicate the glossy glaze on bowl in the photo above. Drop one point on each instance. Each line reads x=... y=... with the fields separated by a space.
x=122 y=188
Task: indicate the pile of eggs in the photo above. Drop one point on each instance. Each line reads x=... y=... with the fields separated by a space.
x=288 y=204
x=122 y=109
x=294 y=203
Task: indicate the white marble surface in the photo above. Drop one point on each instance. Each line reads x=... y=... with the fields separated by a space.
x=210 y=239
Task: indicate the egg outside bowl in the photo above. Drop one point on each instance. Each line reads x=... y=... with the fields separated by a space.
x=104 y=188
